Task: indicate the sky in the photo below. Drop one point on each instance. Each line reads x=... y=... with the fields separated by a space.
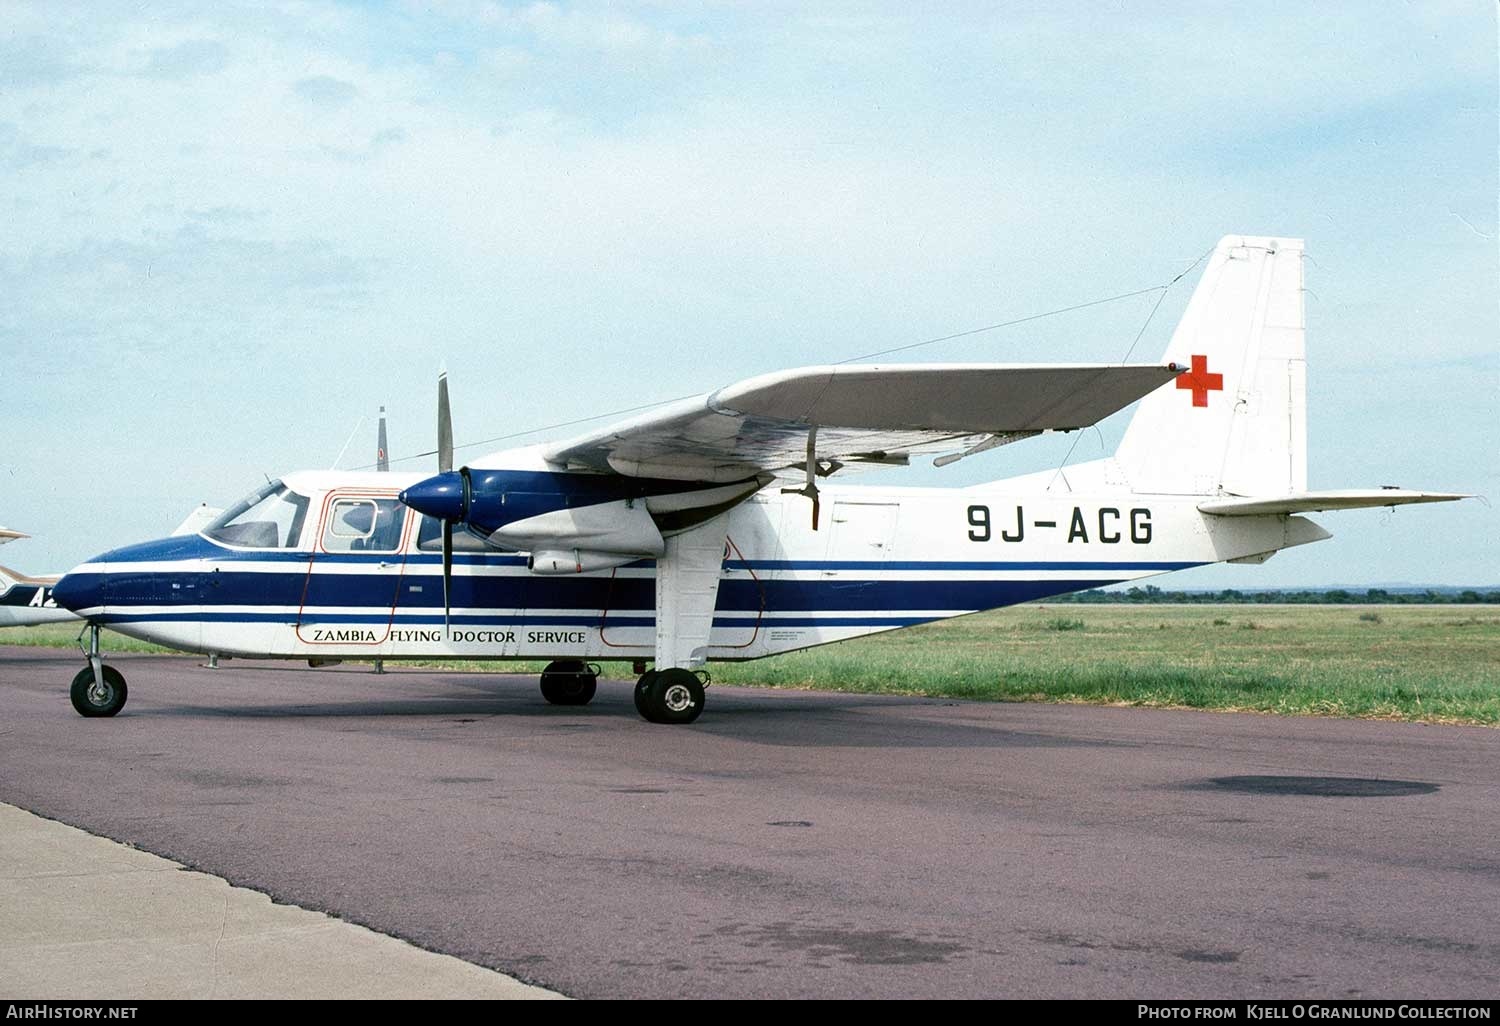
x=229 y=233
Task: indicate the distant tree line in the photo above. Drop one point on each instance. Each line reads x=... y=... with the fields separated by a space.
x=1298 y=596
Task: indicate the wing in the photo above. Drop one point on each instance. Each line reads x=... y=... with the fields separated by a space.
x=850 y=416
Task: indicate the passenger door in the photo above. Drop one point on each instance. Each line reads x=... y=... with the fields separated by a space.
x=355 y=570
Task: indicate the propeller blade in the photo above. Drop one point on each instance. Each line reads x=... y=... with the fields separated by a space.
x=445 y=426
x=447 y=572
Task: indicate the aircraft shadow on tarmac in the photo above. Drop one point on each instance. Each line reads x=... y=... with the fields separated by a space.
x=790 y=719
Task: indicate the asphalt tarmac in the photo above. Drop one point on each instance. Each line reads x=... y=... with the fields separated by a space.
x=798 y=844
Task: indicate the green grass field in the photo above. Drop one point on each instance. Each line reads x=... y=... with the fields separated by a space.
x=1431 y=663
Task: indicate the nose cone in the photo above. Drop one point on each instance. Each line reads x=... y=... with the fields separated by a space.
x=81 y=591
x=441 y=496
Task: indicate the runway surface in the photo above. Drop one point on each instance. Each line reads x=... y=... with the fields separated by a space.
x=795 y=844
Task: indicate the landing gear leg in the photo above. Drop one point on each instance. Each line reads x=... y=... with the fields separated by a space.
x=98 y=690
x=570 y=682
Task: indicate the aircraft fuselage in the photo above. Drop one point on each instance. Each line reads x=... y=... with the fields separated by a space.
x=883 y=558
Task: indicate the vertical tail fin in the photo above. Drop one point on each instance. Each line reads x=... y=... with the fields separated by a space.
x=1236 y=422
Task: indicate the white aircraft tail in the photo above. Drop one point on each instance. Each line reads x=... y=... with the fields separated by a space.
x=10 y=578
x=1235 y=422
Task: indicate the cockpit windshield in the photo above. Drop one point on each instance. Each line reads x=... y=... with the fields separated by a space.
x=267 y=518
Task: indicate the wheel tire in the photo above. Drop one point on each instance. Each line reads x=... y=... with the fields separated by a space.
x=642 y=687
x=84 y=700
x=676 y=696
x=568 y=682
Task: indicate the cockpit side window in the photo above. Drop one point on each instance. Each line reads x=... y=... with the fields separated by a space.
x=364 y=525
x=268 y=518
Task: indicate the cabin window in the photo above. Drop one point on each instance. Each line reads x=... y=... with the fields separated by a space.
x=268 y=518
x=430 y=538
x=364 y=525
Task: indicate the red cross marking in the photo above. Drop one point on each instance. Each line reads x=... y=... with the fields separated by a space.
x=1200 y=381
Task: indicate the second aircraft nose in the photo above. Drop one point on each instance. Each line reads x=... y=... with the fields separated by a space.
x=81 y=591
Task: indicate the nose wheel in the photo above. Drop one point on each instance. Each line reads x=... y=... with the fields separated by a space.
x=98 y=698
x=97 y=690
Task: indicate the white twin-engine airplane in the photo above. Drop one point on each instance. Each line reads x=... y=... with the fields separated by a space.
x=669 y=537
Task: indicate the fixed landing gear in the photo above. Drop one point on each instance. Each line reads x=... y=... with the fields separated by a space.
x=570 y=682
x=97 y=690
x=94 y=699
x=669 y=696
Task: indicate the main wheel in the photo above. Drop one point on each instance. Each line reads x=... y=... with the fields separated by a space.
x=676 y=696
x=569 y=682
x=642 y=687
x=91 y=700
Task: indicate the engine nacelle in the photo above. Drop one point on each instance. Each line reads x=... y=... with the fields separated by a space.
x=623 y=528
x=551 y=562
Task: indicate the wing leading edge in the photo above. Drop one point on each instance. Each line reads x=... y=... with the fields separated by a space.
x=864 y=415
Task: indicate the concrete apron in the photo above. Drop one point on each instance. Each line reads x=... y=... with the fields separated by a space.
x=82 y=917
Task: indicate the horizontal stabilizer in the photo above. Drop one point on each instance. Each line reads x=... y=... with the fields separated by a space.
x=1311 y=502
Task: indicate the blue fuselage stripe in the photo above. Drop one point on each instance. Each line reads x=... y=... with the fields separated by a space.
x=394 y=591
x=611 y=623
x=195 y=572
